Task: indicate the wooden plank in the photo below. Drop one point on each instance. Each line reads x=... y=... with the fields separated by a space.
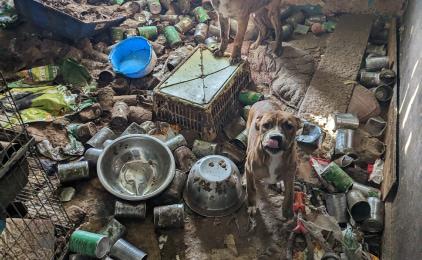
x=390 y=168
x=329 y=90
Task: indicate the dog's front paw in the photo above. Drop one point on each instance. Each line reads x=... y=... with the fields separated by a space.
x=235 y=59
x=252 y=210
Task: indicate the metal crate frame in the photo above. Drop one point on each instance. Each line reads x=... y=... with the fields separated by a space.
x=33 y=214
x=209 y=119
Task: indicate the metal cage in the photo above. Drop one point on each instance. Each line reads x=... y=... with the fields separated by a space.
x=33 y=222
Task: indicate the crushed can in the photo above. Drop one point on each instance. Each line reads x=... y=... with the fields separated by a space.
x=89 y=244
x=201 y=32
x=184 y=25
x=172 y=36
x=148 y=32
x=201 y=14
x=125 y=250
x=73 y=171
x=134 y=129
x=337 y=177
x=39 y=74
x=114 y=230
x=171 y=216
x=125 y=210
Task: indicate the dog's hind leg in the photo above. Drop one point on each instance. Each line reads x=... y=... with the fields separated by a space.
x=242 y=25
x=224 y=35
x=274 y=14
x=262 y=28
x=288 y=196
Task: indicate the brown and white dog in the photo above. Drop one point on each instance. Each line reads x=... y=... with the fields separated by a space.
x=241 y=10
x=271 y=153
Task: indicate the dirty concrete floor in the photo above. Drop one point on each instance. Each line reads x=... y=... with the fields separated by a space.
x=263 y=237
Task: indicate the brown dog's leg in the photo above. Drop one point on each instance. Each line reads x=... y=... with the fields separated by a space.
x=288 y=197
x=224 y=35
x=242 y=25
x=274 y=14
x=251 y=190
x=262 y=29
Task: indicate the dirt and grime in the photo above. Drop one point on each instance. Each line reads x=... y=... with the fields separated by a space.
x=287 y=79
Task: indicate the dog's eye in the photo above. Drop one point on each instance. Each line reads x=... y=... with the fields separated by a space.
x=267 y=125
x=288 y=126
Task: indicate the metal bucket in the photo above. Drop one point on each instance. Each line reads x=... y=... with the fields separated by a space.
x=337 y=206
x=358 y=206
x=375 y=222
x=124 y=250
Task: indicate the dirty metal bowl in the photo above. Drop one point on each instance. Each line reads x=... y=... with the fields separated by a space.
x=214 y=187
x=136 y=167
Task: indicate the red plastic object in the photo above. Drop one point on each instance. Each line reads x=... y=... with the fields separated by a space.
x=298 y=204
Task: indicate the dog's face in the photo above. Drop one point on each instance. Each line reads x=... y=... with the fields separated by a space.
x=277 y=131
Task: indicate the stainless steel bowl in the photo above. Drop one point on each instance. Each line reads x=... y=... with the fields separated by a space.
x=136 y=167
x=214 y=187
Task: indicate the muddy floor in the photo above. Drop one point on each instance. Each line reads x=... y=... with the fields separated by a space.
x=237 y=236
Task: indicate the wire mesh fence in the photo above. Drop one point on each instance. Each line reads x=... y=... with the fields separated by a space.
x=33 y=222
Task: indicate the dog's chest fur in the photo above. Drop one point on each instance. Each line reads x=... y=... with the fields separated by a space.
x=273 y=167
x=238 y=8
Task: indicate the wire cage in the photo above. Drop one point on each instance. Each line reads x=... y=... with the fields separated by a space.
x=33 y=222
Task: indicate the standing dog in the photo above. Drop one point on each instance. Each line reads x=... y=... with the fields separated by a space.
x=271 y=153
x=241 y=10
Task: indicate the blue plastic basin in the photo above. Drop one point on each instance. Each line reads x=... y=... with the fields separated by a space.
x=133 y=57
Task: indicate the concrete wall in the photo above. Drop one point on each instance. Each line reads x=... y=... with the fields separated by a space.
x=363 y=6
x=405 y=210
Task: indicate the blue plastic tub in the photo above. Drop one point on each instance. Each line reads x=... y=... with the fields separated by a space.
x=59 y=22
x=133 y=57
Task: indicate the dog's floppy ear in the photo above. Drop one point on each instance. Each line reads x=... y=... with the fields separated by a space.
x=257 y=122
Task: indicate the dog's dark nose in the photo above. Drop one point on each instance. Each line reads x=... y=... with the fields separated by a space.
x=278 y=138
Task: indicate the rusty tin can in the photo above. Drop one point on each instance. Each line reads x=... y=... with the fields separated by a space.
x=383 y=93
x=130 y=210
x=125 y=250
x=92 y=155
x=133 y=129
x=131 y=32
x=367 y=191
x=371 y=79
x=174 y=193
x=184 y=25
x=201 y=32
x=202 y=148
x=114 y=230
x=337 y=177
x=117 y=34
x=337 y=206
x=234 y=128
x=346 y=120
x=73 y=171
x=171 y=216
x=376 y=63
x=201 y=14
x=171 y=18
x=172 y=36
x=358 y=206
x=100 y=137
x=148 y=32
x=176 y=142
x=184 y=157
x=345 y=143
x=154 y=6
x=241 y=140
x=90 y=244
x=375 y=222
x=211 y=42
